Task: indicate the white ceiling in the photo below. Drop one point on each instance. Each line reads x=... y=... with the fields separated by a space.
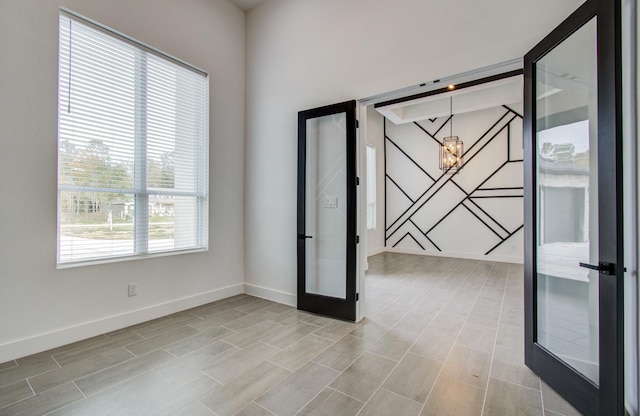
x=246 y=5
x=505 y=91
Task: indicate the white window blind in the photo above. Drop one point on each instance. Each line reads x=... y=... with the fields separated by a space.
x=371 y=187
x=132 y=148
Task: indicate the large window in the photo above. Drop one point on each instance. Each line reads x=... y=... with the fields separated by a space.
x=132 y=148
x=371 y=187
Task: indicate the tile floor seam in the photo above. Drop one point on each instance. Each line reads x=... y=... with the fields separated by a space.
x=84 y=396
x=56 y=361
x=314 y=357
x=493 y=350
x=517 y=385
x=329 y=339
x=172 y=354
x=19 y=400
x=128 y=350
x=259 y=405
x=30 y=387
x=450 y=351
x=133 y=331
x=541 y=396
x=66 y=405
x=399 y=361
x=280 y=349
x=73 y=380
x=367 y=351
x=129 y=378
x=205 y=406
x=382 y=356
x=348 y=395
x=268 y=360
x=331 y=368
x=218 y=381
x=310 y=400
x=77 y=348
x=425 y=356
x=404 y=397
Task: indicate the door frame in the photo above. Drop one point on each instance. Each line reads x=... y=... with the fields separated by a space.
x=608 y=397
x=326 y=305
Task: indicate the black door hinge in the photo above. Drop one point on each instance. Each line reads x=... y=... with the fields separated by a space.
x=357 y=181
x=357 y=297
x=357 y=124
x=357 y=239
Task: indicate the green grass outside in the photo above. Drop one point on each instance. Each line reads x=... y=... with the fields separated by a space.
x=156 y=232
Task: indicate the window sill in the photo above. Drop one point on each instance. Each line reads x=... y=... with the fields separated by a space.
x=91 y=262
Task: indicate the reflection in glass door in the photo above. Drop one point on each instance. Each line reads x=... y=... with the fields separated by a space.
x=325 y=207
x=567 y=178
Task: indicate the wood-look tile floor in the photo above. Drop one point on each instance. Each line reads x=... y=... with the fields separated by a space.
x=441 y=337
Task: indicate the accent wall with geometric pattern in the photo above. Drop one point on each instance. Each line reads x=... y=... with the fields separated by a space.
x=475 y=213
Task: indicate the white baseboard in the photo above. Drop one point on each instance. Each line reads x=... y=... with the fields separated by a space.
x=470 y=256
x=271 y=294
x=43 y=342
x=375 y=251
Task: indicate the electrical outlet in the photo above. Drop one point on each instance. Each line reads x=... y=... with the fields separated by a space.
x=133 y=289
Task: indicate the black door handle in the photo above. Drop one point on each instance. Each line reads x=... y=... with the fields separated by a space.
x=302 y=236
x=604 y=268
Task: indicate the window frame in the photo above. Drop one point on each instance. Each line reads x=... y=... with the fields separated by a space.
x=372 y=208
x=139 y=190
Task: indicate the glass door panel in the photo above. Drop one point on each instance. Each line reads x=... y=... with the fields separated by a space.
x=325 y=208
x=567 y=193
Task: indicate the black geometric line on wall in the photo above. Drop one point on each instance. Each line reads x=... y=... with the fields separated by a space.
x=451 y=211
x=433 y=136
x=478 y=188
x=468 y=196
x=504 y=188
x=433 y=120
x=435 y=133
x=412 y=237
x=448 y=178
x=411 y=159
x=509 y=142
x=513 y=111
x=481 y=220
x=478 y=206
x=413 y=204
x=431 y=241
x=398 y=186
x=467 y=160
x=425 y=235
x=488 y=215
x=496 y=196
x=384 y=164
x=508 y=237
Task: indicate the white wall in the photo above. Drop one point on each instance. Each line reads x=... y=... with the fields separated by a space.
x=41 y=307
x=304 y=54
x=375 y=137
